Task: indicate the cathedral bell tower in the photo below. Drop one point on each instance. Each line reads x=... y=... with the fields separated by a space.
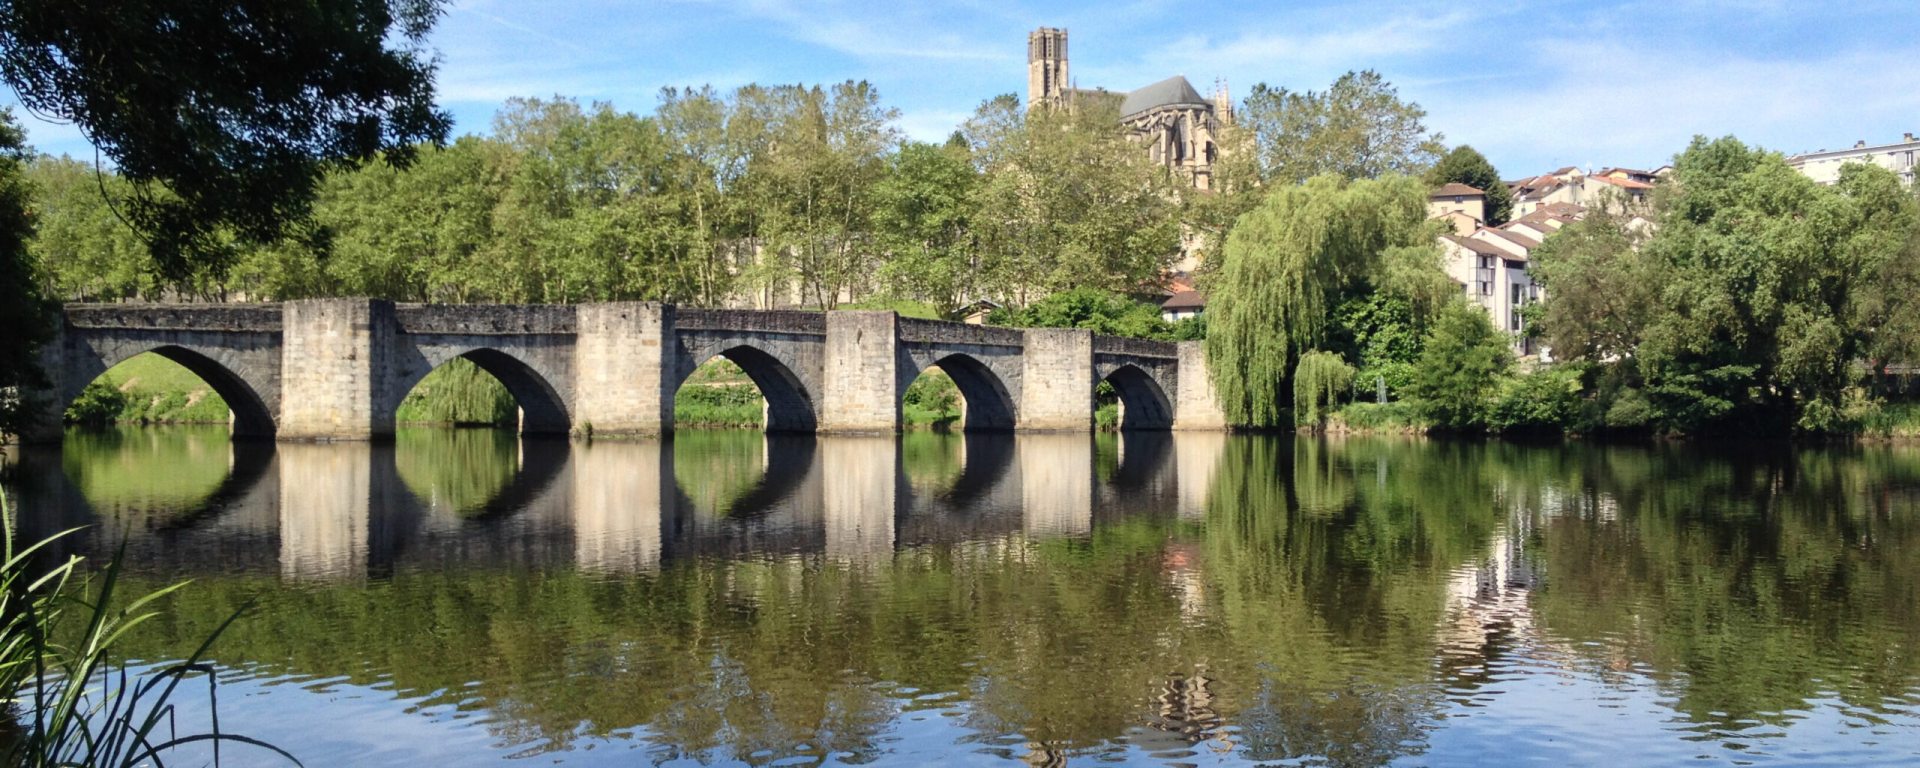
x=1047 y=81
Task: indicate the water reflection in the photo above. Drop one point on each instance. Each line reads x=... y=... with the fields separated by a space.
x=936 y=597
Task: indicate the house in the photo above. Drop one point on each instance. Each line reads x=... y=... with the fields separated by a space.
x=1824 y=167
x=1182 y=305
x=1463 y=207
x=1571 y=186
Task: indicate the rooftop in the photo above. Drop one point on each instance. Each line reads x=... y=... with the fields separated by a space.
x=1173 y=91
x=1455 y=189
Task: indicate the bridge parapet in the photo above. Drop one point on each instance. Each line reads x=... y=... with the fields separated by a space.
x=487 y=319
x=244 y=318
x=751 y=321
x=944 y=332
x=1118 y=345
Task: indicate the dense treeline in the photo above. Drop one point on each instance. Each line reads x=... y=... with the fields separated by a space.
x=772 y=195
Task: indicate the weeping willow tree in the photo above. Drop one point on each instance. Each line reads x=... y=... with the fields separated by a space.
x=1291 y=260
x=1317 y=381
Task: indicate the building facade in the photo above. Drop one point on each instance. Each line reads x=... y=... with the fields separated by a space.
x=1824 y=167
x=1176 y=125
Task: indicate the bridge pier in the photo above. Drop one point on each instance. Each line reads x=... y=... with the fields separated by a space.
x=862 y=381
x=624 y=382
x=1195 y=407
x=334 y=366
x=1056 y=380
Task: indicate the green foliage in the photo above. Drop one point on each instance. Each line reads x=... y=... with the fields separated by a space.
x=931 y=400
x=227 y=117
x=719 y=405
x=101 y=403
x=923 y=215
x=1465 y=165
x=23 y=307
x=63 y=664
x=1364 y=416
x=1090 y=308
x=85 y=252
x=1460 y=367
x=1069 y=201
x=1292 y=261
x=1357 y=129
x=1543 y=400
x=459 y=393
x=1749 y=305
x=1318 y=382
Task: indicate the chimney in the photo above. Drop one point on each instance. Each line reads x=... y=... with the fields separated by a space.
x=1860 y=143
x=1906 y=138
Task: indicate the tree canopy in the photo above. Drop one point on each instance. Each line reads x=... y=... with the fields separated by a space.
x=1291 y=261
x=1752 y=300
x=1464 y=165
x=23 y=311
x=1358 y=129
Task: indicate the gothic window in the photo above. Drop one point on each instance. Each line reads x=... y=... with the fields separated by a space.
x=1211 y=154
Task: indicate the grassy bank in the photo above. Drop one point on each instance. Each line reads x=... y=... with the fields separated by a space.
x=148 y=389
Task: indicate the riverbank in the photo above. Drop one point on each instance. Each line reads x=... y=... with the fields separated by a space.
x=1896 y=422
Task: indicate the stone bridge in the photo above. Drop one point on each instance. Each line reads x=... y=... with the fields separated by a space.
x=339 y=368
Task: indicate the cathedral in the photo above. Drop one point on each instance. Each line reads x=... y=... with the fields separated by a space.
x=1175 y=123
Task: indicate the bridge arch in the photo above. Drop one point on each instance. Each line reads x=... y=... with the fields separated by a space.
x=542 y=408
x=989 y=406
x=790 y=405
x=1143 y=401
x=252 y=415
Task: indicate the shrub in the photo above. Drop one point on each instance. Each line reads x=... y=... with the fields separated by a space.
x=1318 y=380
x=1545 y=400
x=1461 y=364
x=101 y=403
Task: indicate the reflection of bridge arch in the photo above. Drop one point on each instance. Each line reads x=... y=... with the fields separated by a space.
x=537 y=463
x=788 y=463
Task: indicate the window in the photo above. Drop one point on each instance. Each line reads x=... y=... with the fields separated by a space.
x=1486 y=262
x=1518 y=293
x=1513 y=319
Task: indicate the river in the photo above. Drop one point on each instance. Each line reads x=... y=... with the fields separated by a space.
x=464 y=597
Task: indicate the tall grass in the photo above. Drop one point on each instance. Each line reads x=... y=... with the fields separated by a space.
x=74 y=701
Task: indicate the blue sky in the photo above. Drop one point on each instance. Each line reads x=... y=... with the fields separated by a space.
x=1533 y=85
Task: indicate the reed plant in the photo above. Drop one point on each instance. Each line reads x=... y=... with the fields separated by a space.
x=72 y=699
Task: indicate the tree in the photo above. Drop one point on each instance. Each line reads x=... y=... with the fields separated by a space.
x=1092 y=309
x=23 y=311
x=828 y=152
x=1462 y=363
x=1318 y=382
x=226 y=115
x=84 y=251
x=1466 y=166
x=1357 y=129
x=1291 y=261
x=924 y=215
x=1600 y=290
x=1069 y=202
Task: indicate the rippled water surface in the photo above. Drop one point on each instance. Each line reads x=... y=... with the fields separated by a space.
x=466 y=597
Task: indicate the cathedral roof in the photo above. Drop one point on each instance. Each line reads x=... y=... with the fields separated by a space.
x=1173 y=91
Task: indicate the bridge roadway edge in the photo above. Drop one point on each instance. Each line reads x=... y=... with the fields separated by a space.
x=612 y=369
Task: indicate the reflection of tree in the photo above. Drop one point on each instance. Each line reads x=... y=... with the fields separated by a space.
x=1749 y=584
x=1307 y=617
x=458 y=470
x=717 y=467
x=931 y=460
x=150 y=474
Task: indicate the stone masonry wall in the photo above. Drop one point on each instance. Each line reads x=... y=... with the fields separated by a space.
x=861 y=383
x=623 y=369
x=333 y=368
x=1056 y=380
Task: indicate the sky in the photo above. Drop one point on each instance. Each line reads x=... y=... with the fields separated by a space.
x=1533 y=85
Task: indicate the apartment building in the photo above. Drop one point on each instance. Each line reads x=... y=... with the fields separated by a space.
x=1824 y=166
